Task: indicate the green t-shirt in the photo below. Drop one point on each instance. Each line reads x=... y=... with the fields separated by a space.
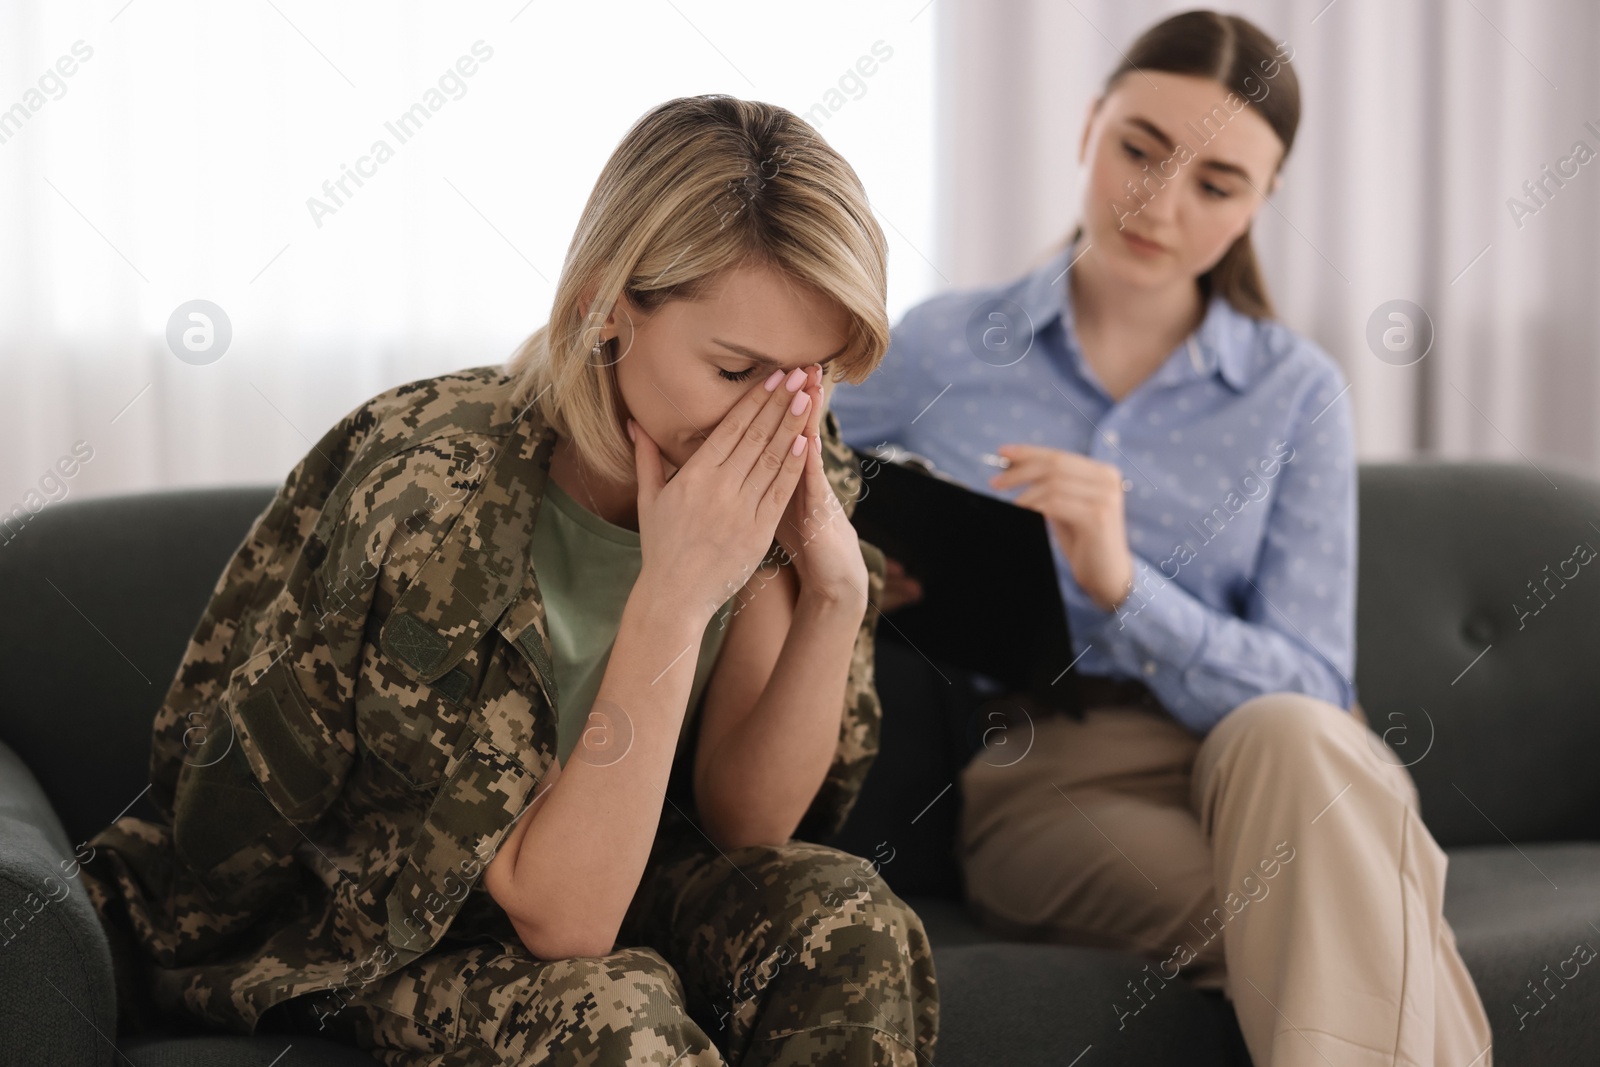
x=586 y=568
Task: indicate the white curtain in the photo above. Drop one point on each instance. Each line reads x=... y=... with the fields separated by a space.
x=162 y=151
x=1420 y=122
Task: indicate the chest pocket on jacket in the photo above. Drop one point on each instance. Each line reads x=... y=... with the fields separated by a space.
x=413 y=726
x=266 y=762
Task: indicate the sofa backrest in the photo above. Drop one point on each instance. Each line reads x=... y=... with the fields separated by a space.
x=100 y=598
x=1478 y=643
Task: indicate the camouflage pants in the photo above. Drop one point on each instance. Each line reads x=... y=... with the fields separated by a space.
x=797 y=954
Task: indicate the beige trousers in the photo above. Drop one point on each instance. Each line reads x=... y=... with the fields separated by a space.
x=1281 y=858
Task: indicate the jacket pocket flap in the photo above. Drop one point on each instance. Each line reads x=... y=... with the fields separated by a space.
x=295 y=756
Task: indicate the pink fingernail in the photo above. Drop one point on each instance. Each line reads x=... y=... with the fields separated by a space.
x=799 y=444
x=799 y=403
x=816 y=444
x=773 y=380
x=796 y=376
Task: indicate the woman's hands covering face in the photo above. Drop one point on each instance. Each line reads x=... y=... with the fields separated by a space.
x=703 y=532
x=815 y=532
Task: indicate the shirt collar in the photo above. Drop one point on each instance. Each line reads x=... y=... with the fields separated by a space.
x=1222 y=344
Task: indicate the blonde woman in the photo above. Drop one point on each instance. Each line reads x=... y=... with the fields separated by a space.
x=499 y=739
x=1219 y=808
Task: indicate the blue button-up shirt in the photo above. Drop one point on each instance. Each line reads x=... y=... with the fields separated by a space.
x=1238 y=467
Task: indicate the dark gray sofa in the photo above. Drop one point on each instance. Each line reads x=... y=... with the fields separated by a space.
x=100 y=597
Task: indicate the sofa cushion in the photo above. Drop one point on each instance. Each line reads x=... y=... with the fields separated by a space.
x=1525 y=918
x=1021 y=1004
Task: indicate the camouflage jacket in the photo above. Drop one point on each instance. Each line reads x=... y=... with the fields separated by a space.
x=365 y=707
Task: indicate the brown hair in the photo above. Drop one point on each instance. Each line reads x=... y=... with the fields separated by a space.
x=1233 y=51
x=700 y=185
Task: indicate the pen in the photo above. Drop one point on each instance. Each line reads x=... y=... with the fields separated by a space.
x=1003 y=463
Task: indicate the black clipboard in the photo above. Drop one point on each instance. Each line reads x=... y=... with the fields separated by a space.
x=991 y=595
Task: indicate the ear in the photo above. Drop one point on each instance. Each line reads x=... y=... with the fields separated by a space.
x=586 y=301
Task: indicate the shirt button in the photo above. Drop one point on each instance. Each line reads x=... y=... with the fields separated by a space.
x=1149 y=666
x=1127 y=485
x=1111 y=437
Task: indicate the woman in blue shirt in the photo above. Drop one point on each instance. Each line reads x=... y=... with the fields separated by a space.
x=1217 y=808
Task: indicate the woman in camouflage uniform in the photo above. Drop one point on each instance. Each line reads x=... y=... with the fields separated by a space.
x=379 y=819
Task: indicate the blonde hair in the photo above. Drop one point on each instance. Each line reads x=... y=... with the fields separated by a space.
x=699 y=185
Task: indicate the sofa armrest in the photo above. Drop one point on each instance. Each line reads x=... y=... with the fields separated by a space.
x=57 y=989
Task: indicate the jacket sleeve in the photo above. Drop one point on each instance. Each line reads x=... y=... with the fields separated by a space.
x=258 y=734
x=256 y=584
x=861 y=721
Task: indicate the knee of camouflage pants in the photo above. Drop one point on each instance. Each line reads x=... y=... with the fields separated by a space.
x=496 y=1005
x=625 y=1008
x=804 y=954
x=788 y=955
